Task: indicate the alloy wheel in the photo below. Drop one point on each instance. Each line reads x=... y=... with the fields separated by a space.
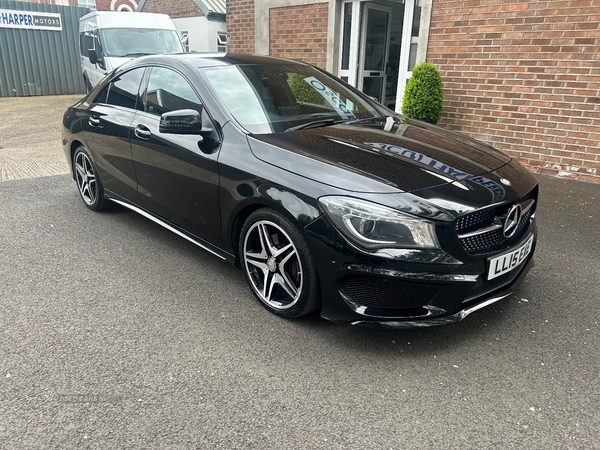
x=273 y=265
x=86 y=179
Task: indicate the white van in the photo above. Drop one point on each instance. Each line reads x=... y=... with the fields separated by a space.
x=107 y=39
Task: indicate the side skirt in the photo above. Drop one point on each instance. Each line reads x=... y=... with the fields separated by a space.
x=204 y=245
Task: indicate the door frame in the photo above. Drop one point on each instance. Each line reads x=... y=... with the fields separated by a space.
x=356 y=39
x=403 y=73
x=355 y=32
x=363 y=42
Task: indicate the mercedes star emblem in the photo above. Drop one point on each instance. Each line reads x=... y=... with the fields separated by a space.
x=511 y=223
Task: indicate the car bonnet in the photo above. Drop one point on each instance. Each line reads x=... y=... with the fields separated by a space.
x=379 y=155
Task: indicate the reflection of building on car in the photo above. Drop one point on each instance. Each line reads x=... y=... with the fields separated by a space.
x=326 y=199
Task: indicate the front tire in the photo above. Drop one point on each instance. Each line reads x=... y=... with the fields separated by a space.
x=278 y=265
x=88 y=183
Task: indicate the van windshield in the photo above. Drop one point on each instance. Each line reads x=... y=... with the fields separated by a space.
x=130 y=42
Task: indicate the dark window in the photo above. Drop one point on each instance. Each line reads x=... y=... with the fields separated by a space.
x=86 y=41
x=169 y=91
x=221 y=42
x=101 y=98
x=123 y=90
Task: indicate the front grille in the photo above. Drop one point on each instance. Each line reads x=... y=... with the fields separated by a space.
x=373 y=292
x=475 y=220
x=494 y=240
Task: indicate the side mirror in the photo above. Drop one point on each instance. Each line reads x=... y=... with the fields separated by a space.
x=181 y=121
x=93 y=55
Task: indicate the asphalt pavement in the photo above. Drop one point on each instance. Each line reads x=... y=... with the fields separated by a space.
x=115 y=333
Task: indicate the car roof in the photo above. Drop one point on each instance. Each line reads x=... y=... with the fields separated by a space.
x=213 y=59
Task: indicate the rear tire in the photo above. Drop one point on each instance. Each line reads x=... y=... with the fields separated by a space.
x=88 y=182
x=278 y=265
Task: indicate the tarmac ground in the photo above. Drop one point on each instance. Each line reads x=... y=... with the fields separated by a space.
x=116 y=333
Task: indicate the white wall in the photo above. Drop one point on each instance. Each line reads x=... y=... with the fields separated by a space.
x=202 y=32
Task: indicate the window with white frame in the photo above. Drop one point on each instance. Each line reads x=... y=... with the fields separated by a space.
x=185 y=40
x=87 y=4
x=221 y=41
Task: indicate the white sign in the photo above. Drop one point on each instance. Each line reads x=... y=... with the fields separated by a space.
x=331 y=97
x=30 y=20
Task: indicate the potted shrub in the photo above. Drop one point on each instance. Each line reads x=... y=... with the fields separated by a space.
x=423 y=97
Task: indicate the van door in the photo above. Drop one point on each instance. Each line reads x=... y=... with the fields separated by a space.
x=92 y=73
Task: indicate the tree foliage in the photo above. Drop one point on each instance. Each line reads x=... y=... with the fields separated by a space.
x=303 y=91
x=423 y=96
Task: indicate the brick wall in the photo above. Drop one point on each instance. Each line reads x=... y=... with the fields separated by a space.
x=300 y=32
x=525 y=77
x=240 y=26
x=174 y=8
x=105 y=5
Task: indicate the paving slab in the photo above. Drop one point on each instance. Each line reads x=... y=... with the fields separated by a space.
x=30 y=137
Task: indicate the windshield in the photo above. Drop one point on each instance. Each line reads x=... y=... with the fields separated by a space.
x=267 y=98
x=124 y=42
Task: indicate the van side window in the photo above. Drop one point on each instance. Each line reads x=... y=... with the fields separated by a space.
x=86 y=41
x=169 y=91
x=123 y=91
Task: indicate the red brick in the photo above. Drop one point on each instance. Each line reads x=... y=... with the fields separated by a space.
x=240 y=26
x=311 y=47
x=539 y=82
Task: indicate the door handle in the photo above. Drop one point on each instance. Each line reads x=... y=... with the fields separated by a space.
x=94 y=121
x=142 y=132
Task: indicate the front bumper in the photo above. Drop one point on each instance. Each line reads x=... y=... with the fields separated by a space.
x=457 y=317
x=370 y=290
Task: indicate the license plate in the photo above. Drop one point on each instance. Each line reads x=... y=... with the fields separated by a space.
x=507 y=262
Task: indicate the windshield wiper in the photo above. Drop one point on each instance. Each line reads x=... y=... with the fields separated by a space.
x=134 y=54
x=315 y=124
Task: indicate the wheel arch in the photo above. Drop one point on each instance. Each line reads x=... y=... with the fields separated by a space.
x=74 y=146
x=298 y=211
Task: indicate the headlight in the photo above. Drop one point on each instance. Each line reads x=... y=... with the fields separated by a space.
x=374 y=226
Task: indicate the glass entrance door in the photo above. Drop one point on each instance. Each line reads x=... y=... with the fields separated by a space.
x=378 y=46
x=374 y=49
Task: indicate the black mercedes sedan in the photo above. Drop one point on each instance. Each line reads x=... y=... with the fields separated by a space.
x=326 y=199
